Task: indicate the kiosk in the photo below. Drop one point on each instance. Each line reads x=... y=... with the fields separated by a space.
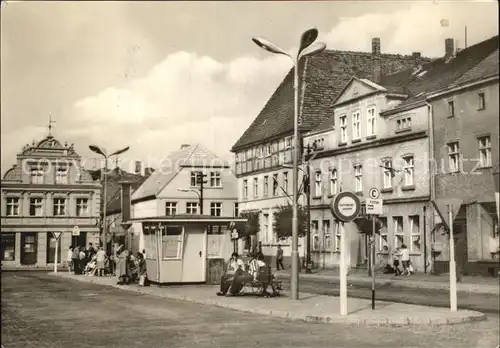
x=187 y=248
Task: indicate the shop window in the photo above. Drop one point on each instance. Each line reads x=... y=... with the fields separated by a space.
x=171 y=242
x=8 y=246
x=150 y=242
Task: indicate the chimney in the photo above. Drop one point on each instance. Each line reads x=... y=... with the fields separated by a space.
x=126 y=198
x=183 y=146
x=416 y=56
x=376 y=46
x=148 y=171
x=449 y=47
x=138 y=167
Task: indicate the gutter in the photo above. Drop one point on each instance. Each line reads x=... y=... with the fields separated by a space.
x=432 y=178
x=492 y=78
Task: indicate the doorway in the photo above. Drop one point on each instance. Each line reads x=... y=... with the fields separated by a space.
x=193 y=270
x=80 y=240
x=28 y=248
x=460 y=239
x=51 y=248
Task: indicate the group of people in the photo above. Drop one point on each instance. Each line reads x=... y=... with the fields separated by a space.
x=90 y=261
x=237 y=273
x=130 y=268
x=399 y=256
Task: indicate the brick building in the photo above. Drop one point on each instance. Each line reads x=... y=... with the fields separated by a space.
x=267 y=144
x=48 y=190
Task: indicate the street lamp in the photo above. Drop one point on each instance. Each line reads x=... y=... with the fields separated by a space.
x=306 y=48
x=200 y=198
x=102 y=152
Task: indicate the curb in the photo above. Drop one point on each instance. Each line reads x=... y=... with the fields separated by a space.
x=458 y=318
x=476 y=289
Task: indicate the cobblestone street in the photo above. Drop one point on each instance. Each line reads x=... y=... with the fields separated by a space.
x=42 y=311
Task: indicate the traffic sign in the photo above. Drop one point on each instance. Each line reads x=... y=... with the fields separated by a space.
x=345 y=206
x=76 y=231
x=57 y=235
x=373 y=193
x=374 y=206
x=234 y=234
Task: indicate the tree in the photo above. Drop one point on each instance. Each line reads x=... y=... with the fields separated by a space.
x=252 y=227
x=282 y=222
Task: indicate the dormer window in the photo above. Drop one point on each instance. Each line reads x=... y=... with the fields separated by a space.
x=36 y=176
x=61 y=175
x=403 y=124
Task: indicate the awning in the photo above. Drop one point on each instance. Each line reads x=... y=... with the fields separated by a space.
x=189 y=219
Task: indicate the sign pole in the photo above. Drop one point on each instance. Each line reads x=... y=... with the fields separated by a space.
x=453 y=270
x=372 y=257
x=55 y=257
x=343 y=273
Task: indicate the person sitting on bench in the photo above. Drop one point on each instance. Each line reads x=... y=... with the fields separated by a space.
x=234 y=264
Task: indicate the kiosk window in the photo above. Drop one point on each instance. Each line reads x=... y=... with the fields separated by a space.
x=171 y=241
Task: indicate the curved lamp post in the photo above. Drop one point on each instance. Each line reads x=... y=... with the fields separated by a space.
x=101 y=151
x=200 y=198
x=306 y=48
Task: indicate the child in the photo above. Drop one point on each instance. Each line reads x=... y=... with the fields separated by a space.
x=100 y=259
x=395 y=261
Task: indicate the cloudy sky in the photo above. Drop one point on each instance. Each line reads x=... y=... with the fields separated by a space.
x=153 y=75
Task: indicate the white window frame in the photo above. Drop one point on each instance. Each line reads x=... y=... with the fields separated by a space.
x=326 y=226
x=215 y=179
x=62 y=174
x=245 y=188
x=383 y=239
x=484 y=145
x=36 y=176
x=315 y=235
x=215 y=209
x=180 y=242
x=409 y=170
x=265 y=225
x=338 y=237
x=285 y=181
x=171 y=208
x=356 y=125
x=415 y=234
x=288 y=142
x=387 y=174
x=318 y=189
x=192 y=208
x=59 y=208
x=343 y=129
x=193 y=179
x=37 y=203
x=451 y=108
x=266 y=185
x=453 y=156
x=276 y=185
x=333 y=181
x=256 y=187
x=481 y=100
x=396 y=220
x=358 y=178
x=236 y=209
x=371 y=122
x=13 y=206
x=82 y=207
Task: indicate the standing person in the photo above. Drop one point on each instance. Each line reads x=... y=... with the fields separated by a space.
x=90 y=252
x=142 y=270
x=82 y=258
x=75 y=258
x=395 y=261
x=405 y=259
x=279 y=258
x=69 y=259
x=101 y=258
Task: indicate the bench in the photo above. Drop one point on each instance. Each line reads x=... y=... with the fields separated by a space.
x=257 y=286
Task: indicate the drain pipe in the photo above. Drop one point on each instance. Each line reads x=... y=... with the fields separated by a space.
x=432 y=183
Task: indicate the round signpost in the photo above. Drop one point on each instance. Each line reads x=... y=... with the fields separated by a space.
x=345 y=207
x=374 y=193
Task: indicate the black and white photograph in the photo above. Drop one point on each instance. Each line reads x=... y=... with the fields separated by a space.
x=250 y=174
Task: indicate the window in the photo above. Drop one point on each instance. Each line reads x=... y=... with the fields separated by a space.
x=150 y=241
x=215 y=179
x=481 y=101
x=343 y=129
x=171 y=242
x=245 y=188
x=317 y=184
x=265 y=225
x=387 y=173
x=316 y=245
x=192 y=208
x=453 y=157
x=59 y=206
x=409 y=170
x=36 y=207
x=13 y=206
x=370 y=126
x=288 y=142
x=8 y=246
x=285 y=181
x=61 y=175
x=484 y=151
x=256 y=187
x=327 y=237
x=415 y=233
x=358 y=177
x=338 y=236
x=275 y=184
x=236 y=211
x=82 y=207
x=36 y=176
x=398 y=231
x=404 y=124
x=451 y=108
x=170 y=208
x=216 y=209
x=333 y=182
x=194 y=179
x=382 y=234
x=266 y=185
x=356 y=125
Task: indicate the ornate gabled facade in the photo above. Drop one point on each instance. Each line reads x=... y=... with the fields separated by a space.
x=46 y=191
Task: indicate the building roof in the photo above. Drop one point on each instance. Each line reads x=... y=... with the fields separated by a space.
x=195 y=156
x=321 y=80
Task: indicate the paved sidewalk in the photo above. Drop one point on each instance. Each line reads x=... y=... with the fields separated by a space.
x=478 y=285
x=310 y=307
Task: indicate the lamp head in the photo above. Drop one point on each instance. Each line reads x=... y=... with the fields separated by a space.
x=308 y=37
x=269 y=46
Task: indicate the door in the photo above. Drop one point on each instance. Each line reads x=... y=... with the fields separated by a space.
x=28 y=248
x=460 y=238
x=193 y=264
x=80 y=240
x=51 y=248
